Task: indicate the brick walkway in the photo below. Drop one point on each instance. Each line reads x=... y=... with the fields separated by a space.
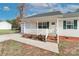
x=44 y=45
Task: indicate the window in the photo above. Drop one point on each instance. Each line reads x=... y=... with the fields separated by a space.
x=70 y=24
x=39 y=25
x=53 y=23
x=44 y=25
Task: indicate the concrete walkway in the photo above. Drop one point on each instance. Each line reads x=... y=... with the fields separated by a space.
x=18 y=37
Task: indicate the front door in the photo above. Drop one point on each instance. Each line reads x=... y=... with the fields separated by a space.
x=53 y=27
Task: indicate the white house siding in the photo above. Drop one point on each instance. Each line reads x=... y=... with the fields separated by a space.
x=68 y=32
x=5 y=25
x=52 y=28
x=30 y=26
x=22 y=27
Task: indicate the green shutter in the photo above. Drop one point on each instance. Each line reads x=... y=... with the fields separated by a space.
x=75 y=24
x=64 y=24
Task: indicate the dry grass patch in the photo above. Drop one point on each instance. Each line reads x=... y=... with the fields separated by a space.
x=14 y=48
x=69 y=48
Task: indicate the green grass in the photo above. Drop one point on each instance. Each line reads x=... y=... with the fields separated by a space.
x=7 y=31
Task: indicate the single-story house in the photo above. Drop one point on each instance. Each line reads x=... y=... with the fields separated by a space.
x=52 y=24
x=4 y=25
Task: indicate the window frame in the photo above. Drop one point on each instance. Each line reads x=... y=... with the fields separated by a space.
x=71 y=24
x=44 y=25
x=67 y=23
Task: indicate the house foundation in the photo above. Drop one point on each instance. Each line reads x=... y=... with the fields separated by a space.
x=68 y=38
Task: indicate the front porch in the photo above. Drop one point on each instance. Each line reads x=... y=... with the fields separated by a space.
x=41 y=34
x=40 y=28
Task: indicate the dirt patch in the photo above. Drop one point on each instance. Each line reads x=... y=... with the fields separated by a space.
x=14 y=48
x=69 y=47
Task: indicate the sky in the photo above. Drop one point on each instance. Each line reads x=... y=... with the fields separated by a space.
x=9 y=11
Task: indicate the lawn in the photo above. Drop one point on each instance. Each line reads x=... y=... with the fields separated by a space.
x=14 y=48
x=7 y=31
x=69 y=47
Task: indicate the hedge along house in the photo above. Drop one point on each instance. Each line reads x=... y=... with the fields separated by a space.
x=51 y=24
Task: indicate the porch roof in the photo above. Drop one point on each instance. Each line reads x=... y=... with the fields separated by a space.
x=60 y=15
x=45 y=14
x=64 y=15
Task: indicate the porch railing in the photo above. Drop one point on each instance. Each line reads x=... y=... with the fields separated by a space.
x=41 y=31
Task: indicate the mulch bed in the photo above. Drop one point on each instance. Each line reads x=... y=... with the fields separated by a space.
x=41 y=37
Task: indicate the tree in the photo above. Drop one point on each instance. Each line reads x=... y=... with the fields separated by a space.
x=14 y=24
x=21 y=8
x=77 y=10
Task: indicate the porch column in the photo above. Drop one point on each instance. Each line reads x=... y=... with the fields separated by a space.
x=24 y=27
x=57 y=31
x=21 y=25
x=46 y=35
x=37 y=26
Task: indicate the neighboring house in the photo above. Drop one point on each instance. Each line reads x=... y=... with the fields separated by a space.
x=4 y=25
x=52 y=24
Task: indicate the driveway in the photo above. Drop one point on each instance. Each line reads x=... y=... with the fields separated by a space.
x=18 y=37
